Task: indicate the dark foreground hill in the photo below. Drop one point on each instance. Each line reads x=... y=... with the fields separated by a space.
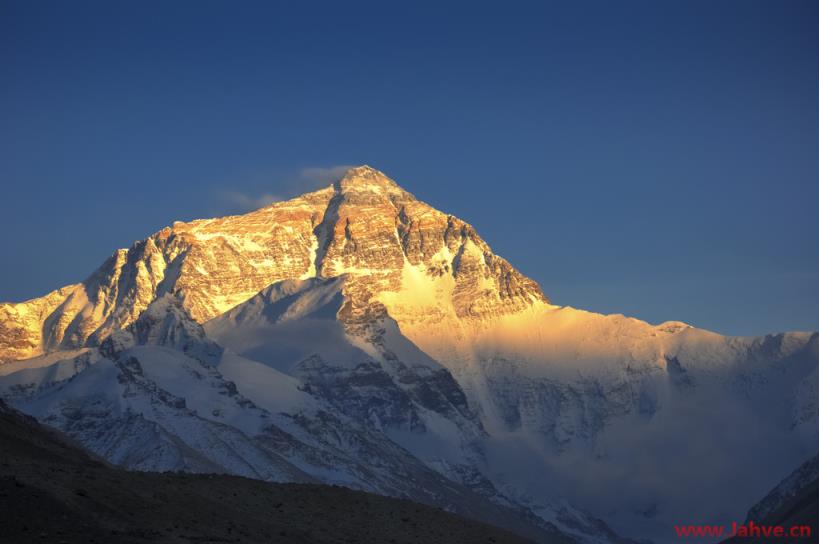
x=51 y=491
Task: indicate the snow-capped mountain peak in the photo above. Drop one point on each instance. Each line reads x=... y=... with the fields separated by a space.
x=357 y=335
x=364 y=224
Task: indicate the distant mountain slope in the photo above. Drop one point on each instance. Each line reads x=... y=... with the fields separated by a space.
x=50 y=491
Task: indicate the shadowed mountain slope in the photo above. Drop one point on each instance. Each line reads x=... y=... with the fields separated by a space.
x=51 y=491
x=794 y=503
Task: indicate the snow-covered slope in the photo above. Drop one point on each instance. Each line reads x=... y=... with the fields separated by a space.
x=375 y=375
x=160 y=395
x=378 y=377
x=356 y=335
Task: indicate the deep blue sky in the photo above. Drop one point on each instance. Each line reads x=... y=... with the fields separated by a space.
x=658 y=159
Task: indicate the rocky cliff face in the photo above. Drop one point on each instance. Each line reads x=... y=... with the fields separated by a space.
x=22 y=324
x=363 y=225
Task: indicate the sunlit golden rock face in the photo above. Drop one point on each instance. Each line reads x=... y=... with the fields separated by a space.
x=21 y=324
x=364 y=225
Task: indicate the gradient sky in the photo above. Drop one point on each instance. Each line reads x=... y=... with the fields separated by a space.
x=658 y=159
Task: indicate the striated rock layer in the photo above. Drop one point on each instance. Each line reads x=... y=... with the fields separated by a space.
x=364 y=224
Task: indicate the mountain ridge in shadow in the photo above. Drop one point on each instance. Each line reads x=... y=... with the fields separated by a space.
x=51 y=491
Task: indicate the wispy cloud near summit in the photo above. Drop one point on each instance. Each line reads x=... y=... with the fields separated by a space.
x=307 y=179
x=246 y=202
x=324 y=176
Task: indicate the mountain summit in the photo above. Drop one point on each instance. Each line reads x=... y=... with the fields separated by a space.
x=361 y=177
x=364 y=224
x=357 y=336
